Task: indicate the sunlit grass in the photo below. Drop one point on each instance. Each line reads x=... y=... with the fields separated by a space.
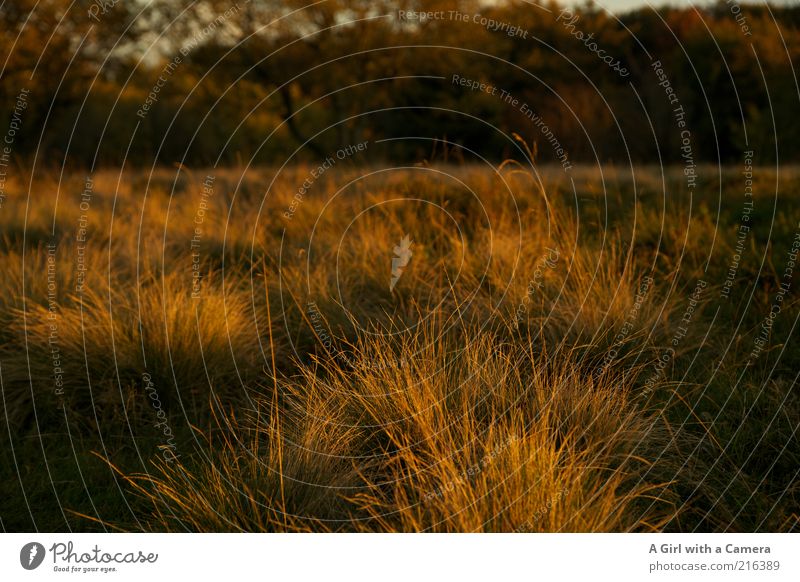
x=506 y=383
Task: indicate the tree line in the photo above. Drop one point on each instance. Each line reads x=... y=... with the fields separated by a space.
x=265 y=81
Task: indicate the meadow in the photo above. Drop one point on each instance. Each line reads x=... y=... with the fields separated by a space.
x=258 y=349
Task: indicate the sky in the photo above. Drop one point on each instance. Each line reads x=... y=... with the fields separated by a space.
x=622 y=5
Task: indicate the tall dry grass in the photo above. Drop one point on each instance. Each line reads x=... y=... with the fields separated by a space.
x=428 y=436
x=500 y=386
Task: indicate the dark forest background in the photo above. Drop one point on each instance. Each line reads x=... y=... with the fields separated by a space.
x=247 y=81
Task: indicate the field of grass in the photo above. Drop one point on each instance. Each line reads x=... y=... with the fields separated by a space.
x=207 y=350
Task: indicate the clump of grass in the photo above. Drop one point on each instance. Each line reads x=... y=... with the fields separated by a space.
x=265 y=473
x=424 y=435
x=110 y=339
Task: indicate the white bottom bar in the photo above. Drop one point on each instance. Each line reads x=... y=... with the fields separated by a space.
x=401 y=557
